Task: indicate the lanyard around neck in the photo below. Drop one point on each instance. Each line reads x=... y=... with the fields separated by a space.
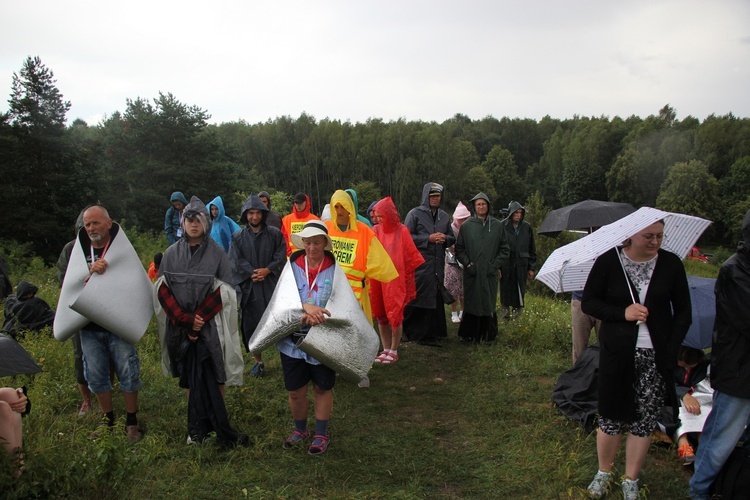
x=93 y=255
x=311 y=286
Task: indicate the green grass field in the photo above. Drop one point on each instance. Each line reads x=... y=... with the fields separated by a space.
x=455 y=421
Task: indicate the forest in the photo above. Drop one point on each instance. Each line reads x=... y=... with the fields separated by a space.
x=134 y=159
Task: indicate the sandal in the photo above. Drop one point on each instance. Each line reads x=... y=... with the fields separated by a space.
x=392 y=358
x=296 y=437
x=382 y=357
x=319 y=445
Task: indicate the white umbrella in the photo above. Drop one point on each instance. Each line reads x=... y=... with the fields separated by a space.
x=567 y=269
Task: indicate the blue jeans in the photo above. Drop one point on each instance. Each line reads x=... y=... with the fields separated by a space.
x=101 y=347
x=721 y=432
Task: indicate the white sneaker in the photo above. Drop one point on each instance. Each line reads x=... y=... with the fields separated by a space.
x=600 y=486
x=455 y=318
x=461 y=315
x=630 y=489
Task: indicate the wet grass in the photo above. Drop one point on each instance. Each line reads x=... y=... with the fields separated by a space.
x=455 y=421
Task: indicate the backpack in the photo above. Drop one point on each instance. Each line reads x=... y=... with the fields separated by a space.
x=733 y=481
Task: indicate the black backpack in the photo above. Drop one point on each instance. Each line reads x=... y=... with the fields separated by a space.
x=733 y=482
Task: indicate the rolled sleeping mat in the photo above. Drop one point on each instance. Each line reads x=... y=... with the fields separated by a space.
x=346 y=342
x=118 y=300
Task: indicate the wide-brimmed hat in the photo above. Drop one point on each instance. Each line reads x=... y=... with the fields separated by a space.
x=312 y=228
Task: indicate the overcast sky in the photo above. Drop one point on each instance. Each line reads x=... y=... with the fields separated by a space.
x=390 y=59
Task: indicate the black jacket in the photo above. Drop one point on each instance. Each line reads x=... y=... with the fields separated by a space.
x=606 y=297
x=730 y=353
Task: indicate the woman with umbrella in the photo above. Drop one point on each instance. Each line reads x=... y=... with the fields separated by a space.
x=641 y=295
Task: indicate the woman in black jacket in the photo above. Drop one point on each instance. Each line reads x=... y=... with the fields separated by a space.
x=640 y=293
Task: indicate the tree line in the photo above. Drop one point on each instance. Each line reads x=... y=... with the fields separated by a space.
x=134 y=159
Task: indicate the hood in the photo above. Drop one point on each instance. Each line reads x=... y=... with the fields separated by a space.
x=513 y=206
x=340 y=197
x=355 y=199
x=325 y=214
x=178 y=196
x=218 y=203
x=369 y=210
x=79 y=221
x=388 y=211
x=253 y=203
x=196 y=208
x=481 y=196
x=426 y=193
x=461 y=211
x=265 y=193
x=24 y=288
x=302 y=214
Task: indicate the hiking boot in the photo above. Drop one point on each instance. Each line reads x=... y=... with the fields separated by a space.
x=630 y=489
x=258 y=369
x=601 y=485
x=686 y=454
x=134 y=433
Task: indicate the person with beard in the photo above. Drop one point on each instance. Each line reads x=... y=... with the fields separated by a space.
x=200 y=337
x=101 y=347
x=481 y=249
x=258 y=254
x=430 y=228
x=295 y=221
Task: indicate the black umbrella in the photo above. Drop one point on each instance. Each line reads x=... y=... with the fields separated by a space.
x=584 y=215
x=14 y=360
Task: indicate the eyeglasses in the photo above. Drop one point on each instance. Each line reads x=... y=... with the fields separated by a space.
x=651 y=237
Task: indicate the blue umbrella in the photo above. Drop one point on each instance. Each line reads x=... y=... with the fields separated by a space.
x=703 y=300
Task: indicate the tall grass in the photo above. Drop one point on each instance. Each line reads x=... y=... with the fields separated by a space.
x=455 y=421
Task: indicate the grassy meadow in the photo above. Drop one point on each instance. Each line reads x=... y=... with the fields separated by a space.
x=454 y=421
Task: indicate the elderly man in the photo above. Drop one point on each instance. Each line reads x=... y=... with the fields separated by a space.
x=481 y=249
x=430 y=228
x=520 y=265
x=729 y=420
x=357 y=250
x=258 y=254
x=101 y=347
x=295 y=221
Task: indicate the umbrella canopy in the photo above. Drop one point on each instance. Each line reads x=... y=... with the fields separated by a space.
x=567 y=269
x=586 y=214
x=14 y=359
x=703 y=300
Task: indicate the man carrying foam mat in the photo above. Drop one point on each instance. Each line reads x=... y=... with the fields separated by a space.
x=101 y=346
